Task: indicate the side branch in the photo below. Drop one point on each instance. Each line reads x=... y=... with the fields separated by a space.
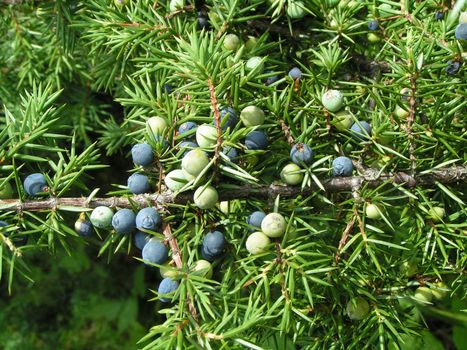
x=457 y=174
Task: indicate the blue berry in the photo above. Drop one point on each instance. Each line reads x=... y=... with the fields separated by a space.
x=439 y=15
x=142 y=154
x=214 y=243
x=256 y=140
x=255 y=219
x=155 y=252
x=141 y=239
x=270 y=80
x=230 y=152
x=138 y=183
x=187 y=146
x=123 y=221
x=83 y=227
x=206 y=255
x=373 y=25
x=452 y=67
x=149 y=219
x=185 y=128
x=167 y=286
x=295 y=73
x=203 y=22
x=228 y=118
x=361 y=130
x=342 y=166
x=34 y=183
x=18 y=241
x=301 y=154
x=169 y=88
x=461 y=31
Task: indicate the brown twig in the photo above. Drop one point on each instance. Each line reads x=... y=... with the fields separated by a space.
x=217 y=119
x=456 y=174
x=287 y=133
x=410 y=121
x=344 y=238
x=177 y=258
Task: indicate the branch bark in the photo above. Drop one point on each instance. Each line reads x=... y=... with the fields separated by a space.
x=450 y=175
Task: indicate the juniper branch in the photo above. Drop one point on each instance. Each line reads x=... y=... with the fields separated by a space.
x=449 y=175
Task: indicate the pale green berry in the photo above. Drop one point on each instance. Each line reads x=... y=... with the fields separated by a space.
x=6 y=191
x=176 y=5
x=251 y=43
x=423 y=294
x=252 y=116
x=206 y=197
x=156 y=125
x=206 y=136
x=357 y=308
x=194 y=162
x=120 y=3
x=291 y=174
x=385 y=10
x=296 y=9
x=101 y=217
x=333 y=100
x=255 y=63
x=175 y=180
x=401 y=112
x=202 y=268
x=437 y=213
x=342 y=120
x=409 y=268
x=224 y=207
x=463 y=17
x=372 y=211
x=440 y=290
x=273 y=225
x=231 y=42
x=373 y=38
x=257 y=242
x=168 y=271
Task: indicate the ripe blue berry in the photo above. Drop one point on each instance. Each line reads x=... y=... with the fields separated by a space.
x=169 y=88
x=256 y=140
x=439 y=15
x=138 y=183
x=361 y=130
x=342 y=166
x=34 y=183
x=295 y=73
x=123 y=221
x=203 y=22
x=83 y=228
x=213 y=245
x=167 y=286
x=187 y=146
x=142 y=154
x=155 y=252
x=230 y=152
x=141 y=239
x=187 y=127
x=148 y=218
x=18 y=241
x=452 y=67
x=461 y=31
x=270 y=80
x=255 y=219
x=301 y=153
x=373 y=25
x=228 y=118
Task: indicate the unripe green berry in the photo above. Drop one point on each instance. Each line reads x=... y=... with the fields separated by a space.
x=440 y=290
x=224 y=207
x=175 y=180
x=342 y=120
x=175 y=5
x=333 y=100
x=6 y=191
x=255 y=63
x=231 y=42
x=156 y=125
x=437 y=214
x=251 y=43
x=385 y=10
x=120 y=3
x=252 y=116
x=409 y=268
x=373 y=38
x=372 y=211
x=168 y=270
x=101 y=217
x=202 y=268
x=257 y=243
x=290 y=174
x=401 y=112
x=423 y=294
x=296 y=9
x=357 y=308
x=463 y=17
x=273 y=225
x=206 y=136
x=206 y=197
x=194 y=162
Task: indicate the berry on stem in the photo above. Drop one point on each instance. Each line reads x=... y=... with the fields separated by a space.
x=167 y=286
x=194 y=162
x=141 y=239
x=257 y=242
x=301 y=154
x=34 y=184
x=256 y=140
x=155 y=252
x=333 y=100
x=101 y=217
x=138 y=183
x=361 y=130
x=255 y=219
x=148 y=219
x=252 y=116
x=142 y=154
x=357 y=308
x=273 y=225
x=291 y=174
x=206 y=197
x=342 y=166
x=123 y=221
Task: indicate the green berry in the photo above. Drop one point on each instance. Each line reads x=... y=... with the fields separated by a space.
x=251 y=43
x=120 y=3
x=206 y=136
x=342 y=120
x=255 y=63
x=101 y=217
x=257 y=243
x=224 y=207
x=423 y=295
x=6 y=191
x=296 y=9
x=357 y=308
x=168 y=271
x=175 y=5
x=194 y=162
x=463 y=17
x=156 y=125
x=372 y=211
x=231 y=42
x=402 y=113
x=252 y=116
x=385 y=10
x=373 y=38
x=333 y=100
x=273 y=225
x=440 y=290
x=202 y=268
x=437 y=214
x=291 y=174
x=175 y=180
x=206 y=197
x=409 y=268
